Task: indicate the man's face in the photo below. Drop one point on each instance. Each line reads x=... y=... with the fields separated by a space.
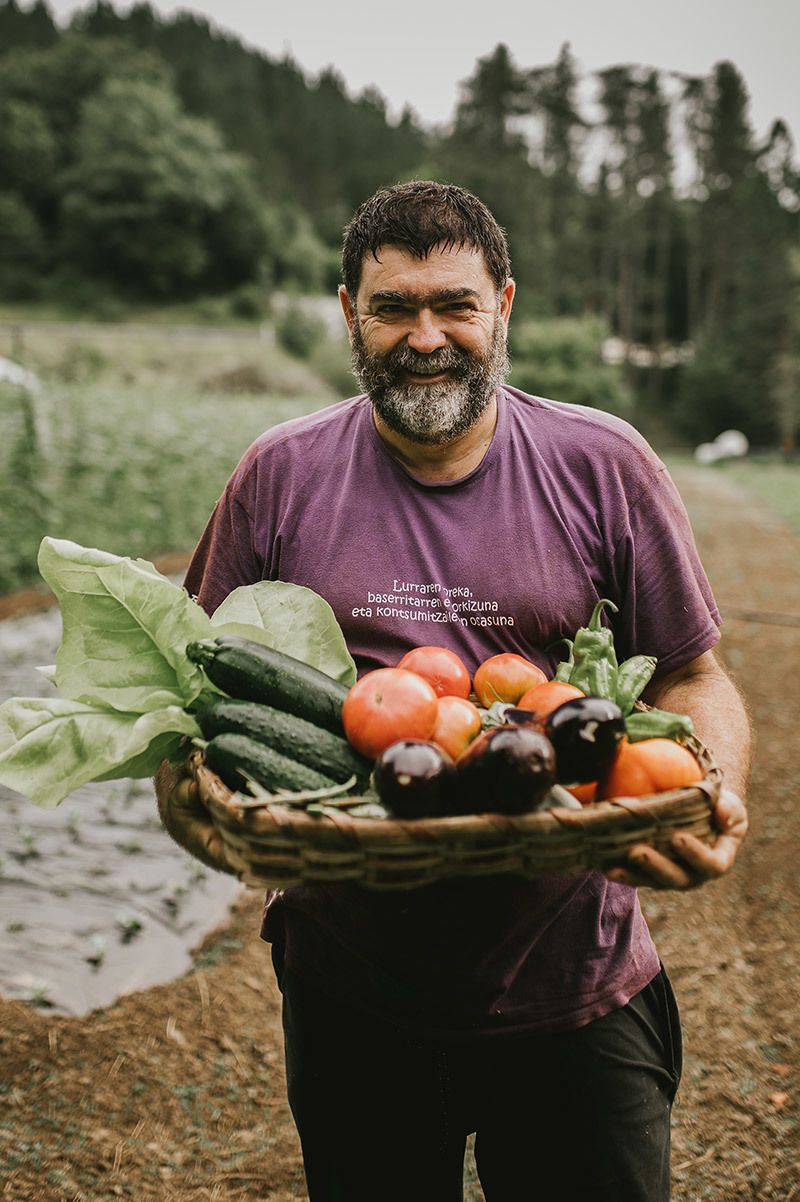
x=428 y=339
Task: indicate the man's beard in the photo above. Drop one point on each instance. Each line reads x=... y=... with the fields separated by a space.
x=433 y=414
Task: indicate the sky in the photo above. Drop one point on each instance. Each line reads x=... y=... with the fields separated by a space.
x=417 y=52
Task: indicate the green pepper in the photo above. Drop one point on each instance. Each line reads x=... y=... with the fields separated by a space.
x=564 y=669
x=595 y=668
x=656 y=724
x=633 y=675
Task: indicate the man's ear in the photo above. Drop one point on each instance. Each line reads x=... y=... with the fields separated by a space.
x=347 y=308
x=507 y=300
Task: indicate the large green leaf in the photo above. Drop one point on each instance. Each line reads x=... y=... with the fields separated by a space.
x=290 y=618
x=49 y=746
x=125 y=628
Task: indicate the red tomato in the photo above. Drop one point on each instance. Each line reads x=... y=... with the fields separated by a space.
x=585 y=794
x=506 y=677
x=386 y=705
x=542 y=699
x=649 y=766
x=458 y=722
x=442 y=669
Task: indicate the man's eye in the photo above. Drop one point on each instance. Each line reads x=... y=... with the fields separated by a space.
x=391 y=311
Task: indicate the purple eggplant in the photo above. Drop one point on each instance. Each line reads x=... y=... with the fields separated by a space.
x=586 y=734
x=411 y=778
x=506 y=770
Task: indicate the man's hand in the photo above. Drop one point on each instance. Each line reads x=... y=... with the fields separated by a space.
x=695 y=862
x=187 y=819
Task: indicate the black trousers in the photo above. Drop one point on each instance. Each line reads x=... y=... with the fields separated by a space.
x=383 y=1115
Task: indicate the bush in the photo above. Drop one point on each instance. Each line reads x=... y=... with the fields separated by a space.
x=23 y=500
x=714 y=394
x=331 y=362
x=560 y=358
x=299 y=331
x=248 y=302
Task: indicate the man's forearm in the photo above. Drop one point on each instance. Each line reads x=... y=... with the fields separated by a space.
x=705 y=692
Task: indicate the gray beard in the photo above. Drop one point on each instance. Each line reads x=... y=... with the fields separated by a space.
x=432 y=414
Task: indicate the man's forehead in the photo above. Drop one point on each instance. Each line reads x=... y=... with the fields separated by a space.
x=443 y=269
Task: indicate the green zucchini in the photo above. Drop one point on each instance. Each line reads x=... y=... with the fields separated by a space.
x=231 y=756
x=291 y=736
x=252 y=672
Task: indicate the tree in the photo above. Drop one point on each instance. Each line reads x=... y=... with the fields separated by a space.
x=553 y=92
x=743 y=229
x=22 y=28
x=487 y=152
x=153 y=200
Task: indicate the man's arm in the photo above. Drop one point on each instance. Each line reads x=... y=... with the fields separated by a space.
x=703 y=690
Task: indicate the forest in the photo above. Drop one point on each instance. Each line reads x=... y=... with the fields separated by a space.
x=146 y=159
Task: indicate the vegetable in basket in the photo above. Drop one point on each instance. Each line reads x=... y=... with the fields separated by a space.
x=592 y=667
x=253 y=672
x=585 y=733
x=648 y=767
x=507 y=770
x=386 y=705
x=126 y=686
x=293 y=737
x=412 y=779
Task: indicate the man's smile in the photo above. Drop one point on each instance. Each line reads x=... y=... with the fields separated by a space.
x=427 y=377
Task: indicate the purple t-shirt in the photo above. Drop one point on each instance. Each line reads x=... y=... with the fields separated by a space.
x=568 y=505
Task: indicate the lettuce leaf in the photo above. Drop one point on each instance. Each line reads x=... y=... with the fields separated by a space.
x=50 y=746
x=290 y=618
x=122 y=672
x=125 y=627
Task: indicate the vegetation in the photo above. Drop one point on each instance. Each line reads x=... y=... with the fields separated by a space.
x=116 y=450
x=153 y=160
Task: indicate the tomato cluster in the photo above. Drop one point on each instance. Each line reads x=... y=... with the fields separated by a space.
x=390 y=703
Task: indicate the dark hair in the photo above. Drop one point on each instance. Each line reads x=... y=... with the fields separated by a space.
x=417 y=216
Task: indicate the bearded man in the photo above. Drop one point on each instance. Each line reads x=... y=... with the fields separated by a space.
x=443 y=507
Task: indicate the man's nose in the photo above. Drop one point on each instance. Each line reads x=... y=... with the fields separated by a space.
x=426 y=334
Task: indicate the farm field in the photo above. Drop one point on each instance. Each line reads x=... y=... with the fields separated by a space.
x=176 y=1093
x=133 y=432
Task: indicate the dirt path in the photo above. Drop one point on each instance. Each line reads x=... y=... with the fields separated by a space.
x=177 y=1094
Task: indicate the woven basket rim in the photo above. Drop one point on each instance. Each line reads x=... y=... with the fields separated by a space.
x=330 y=828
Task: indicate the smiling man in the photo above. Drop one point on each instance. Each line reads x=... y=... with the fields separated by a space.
x=442 y=506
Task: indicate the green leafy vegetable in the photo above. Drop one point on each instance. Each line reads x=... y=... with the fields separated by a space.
x=122 y=672
x=49 y=746
x=292 y=619
x=125 y=629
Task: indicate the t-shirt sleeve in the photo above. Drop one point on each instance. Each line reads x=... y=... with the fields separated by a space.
x=667 y=608
x=225 y=557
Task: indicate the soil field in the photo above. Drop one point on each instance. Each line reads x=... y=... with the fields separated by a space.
x=177 y=1094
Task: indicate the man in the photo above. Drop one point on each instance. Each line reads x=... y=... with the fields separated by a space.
x=444 y=507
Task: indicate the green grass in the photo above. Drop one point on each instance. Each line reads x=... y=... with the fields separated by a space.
x=774 y=481
x=133 y=435
x=770 y=479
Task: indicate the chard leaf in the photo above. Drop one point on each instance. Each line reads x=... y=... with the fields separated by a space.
x=292 y=619
x=125 y=627
x=51 y=746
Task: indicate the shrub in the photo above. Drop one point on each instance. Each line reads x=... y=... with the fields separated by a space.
x=560 y=358
x=299 y=331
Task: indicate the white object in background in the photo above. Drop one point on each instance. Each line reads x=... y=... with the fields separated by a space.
x=707 y=452
x=12 y=373
x=732 y=442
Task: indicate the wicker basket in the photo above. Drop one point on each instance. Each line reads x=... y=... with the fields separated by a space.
x=277 y=846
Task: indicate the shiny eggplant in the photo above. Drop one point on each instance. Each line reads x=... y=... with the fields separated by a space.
x=412 y=777
x=506 y=770
x=585 y=733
